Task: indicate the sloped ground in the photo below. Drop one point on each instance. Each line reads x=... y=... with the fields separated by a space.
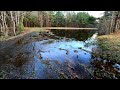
x=109 y=66
x=16 y=59
x=110 y=45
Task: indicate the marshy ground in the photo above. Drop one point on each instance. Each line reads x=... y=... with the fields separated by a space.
x=55 y=54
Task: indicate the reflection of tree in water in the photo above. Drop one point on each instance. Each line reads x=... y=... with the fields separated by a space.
x=77 y=34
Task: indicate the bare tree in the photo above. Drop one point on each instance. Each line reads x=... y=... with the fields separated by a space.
x=40 y=17
x=115 y=15
x=4 y=27
x=110 y=22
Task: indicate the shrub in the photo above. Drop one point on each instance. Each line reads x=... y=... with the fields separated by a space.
x=20 y=27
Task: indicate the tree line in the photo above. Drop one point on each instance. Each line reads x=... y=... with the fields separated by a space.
x=109 y=22
x=13 y=22
x=58 y=19
x=10 y=22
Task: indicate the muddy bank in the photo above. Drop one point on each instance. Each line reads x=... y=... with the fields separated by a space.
x=17 y=56
x=25 y=35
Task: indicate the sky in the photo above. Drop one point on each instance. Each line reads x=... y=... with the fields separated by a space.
x=93 y=13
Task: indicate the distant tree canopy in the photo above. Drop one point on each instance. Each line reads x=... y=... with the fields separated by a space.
x=13 y=22
x=84 y=19
x=58 y=19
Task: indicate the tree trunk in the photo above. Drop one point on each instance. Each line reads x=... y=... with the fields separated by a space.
x=40 y=18
x=4 y=27
x=13 y=22
x=115 y=15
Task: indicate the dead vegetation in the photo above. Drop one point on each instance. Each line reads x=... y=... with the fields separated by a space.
x=110 y=45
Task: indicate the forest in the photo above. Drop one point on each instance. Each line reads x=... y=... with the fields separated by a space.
x=59 y=45
x=13 y=22
x=109 y=22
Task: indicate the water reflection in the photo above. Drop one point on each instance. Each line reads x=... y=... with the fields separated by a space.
x=80 y=35
x=65 y=49
x=55 y=58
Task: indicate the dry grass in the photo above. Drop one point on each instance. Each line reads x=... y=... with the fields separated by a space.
x=27 y=30
x=110 y=45
x=34 y=29
x=68 y=28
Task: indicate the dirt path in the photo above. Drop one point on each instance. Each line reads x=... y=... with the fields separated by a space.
x=11 y=40
x=68 y=28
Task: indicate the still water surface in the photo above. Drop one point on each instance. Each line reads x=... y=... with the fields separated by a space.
x=55 y=58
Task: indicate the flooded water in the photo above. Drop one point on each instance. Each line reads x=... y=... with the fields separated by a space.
x=67 y=55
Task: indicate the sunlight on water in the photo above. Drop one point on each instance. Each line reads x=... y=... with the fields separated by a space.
x=63 y=50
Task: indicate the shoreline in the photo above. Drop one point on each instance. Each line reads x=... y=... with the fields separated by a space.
x=68 y=28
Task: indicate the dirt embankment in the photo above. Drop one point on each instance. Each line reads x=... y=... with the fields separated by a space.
x=8 y=42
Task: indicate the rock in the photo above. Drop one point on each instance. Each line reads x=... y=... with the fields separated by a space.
x=75 y=51
x=35 y=35
x=104 y=61
x=116 y=66
x=80 y=48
